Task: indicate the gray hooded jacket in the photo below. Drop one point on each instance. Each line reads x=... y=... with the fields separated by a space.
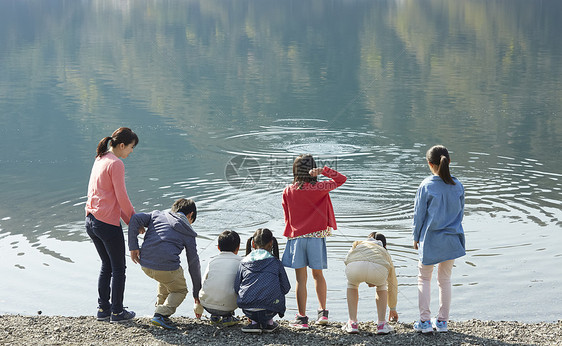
x=167 y=234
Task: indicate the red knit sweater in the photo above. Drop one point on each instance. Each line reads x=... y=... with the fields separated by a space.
x=309 y=209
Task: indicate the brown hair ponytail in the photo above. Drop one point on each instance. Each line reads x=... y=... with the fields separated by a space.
x=438 y=156
x=102 y=147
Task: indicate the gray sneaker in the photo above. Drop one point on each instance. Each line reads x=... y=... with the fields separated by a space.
x=322 y=317
x=300 y=322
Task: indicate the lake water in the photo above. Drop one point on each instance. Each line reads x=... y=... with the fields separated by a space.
x=208 y=86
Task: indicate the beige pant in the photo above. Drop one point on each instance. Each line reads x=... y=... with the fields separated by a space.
x=368 y=272
x=172 y=289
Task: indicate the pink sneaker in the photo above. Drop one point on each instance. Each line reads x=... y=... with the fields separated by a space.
x=384 y=328
x=300 y=322
x=350 y=327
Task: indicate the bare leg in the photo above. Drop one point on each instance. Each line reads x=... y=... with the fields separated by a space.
x=352 y=301
x=301 y=276
x=382 y=300
x=321 y=288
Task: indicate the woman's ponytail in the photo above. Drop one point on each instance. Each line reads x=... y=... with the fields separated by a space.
x=102 y=146
x=438 y=156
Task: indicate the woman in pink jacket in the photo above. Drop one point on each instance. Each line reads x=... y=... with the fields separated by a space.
x=107 y=204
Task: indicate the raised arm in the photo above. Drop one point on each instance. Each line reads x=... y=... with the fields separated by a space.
x=336 y=179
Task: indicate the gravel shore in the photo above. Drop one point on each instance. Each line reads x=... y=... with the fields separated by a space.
x=59 y=330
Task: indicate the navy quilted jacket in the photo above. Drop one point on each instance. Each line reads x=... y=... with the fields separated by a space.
x=262 y=283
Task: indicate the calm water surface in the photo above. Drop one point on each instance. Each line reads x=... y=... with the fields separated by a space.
x=223 y=96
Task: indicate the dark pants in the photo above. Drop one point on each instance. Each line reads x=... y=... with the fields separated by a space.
x=262 y=316
x=110 y=243
x=221 y=313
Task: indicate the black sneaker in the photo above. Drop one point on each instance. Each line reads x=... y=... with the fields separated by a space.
x=123 y=316
x=103 y=315
x=300 y=322
x=252 y=328
x=270 y=328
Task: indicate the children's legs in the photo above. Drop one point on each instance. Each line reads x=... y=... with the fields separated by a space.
x=162 y=294
x=352 y=301
x=321 y=288
x=172 y=289
x=301 y=276
x=444 y=270
x=424 y=290
x=178 y=290
x=382 y=300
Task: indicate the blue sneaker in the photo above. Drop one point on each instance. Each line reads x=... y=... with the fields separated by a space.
x=440 y=326
x=123 y=316
x=228 y=321
x=103 y=315
x=163 y=322
x=424 y=327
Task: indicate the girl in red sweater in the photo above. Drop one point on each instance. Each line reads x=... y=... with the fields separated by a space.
x=309 y=219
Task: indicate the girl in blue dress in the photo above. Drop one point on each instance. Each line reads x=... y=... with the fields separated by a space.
x=438 y=236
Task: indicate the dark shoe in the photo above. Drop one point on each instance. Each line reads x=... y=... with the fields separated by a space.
x=103 y=315
x=270 y=328
x=228 y=321
x=163 y=322
x=252 y=328
x=123 y=316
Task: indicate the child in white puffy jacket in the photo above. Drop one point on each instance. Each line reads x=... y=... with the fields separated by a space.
x=368 y=261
